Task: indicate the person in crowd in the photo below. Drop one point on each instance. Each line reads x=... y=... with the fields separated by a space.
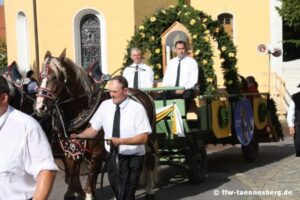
x=126 y=126
x=293 y=119
x=252 y=84
x=30 y=84
x=27 y=167
x=138 y=74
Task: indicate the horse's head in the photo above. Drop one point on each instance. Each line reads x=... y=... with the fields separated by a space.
x=53 y=83
x=62 y=81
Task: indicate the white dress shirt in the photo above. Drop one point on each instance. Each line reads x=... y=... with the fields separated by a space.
x=145 y=75
x=291 y=114
x=133 y=121
x=24 y=153
x=188 y=73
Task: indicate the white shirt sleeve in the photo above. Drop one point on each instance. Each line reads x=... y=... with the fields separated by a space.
x=193 y=75
x=141 y=122
x=97 y=119
x=150 y=78
x=291 y=114
x=126 y=74
x=37 y=155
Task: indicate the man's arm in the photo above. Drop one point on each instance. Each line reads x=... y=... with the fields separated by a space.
x=193 y=74
x=291 y=117
x=44 y=185
x=87 y=133
x=150 y=77
x=136 y=140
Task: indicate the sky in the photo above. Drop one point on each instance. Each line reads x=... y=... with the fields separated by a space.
x=1 y=2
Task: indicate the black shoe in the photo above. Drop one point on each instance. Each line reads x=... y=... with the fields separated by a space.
x=297 y=153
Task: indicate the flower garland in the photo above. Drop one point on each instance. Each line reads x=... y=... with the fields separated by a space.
x=223 y=116
x=202 y=28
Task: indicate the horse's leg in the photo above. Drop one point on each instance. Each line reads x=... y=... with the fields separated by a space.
x=149 y=178
x=90 y=187
x=150 y=171
x=67 y=173
x=94 y=166
x=74 y=184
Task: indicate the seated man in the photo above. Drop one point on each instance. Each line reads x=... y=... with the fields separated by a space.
x=182 y=71
x=138 y=74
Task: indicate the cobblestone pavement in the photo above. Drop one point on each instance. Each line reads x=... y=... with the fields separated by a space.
x=275 y=175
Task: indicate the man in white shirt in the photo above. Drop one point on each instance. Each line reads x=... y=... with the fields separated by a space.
x=182 y=71
x=138 y=74
x=293 y=119
x=27 y=168
x=126 y=136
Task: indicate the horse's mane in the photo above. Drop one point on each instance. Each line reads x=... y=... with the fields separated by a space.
x=80 y=74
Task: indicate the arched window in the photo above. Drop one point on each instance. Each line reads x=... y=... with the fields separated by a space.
x=90 y=40
x=22 y=42
x=227 y=20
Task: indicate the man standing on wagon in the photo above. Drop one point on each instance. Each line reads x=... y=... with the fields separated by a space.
x=126 y=126
x=138 y=74
x=182 y=71
x=293 y=119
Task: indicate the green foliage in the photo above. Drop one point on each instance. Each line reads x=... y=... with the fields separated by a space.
x=203 y=30
x=223 y=116
x=3 y=55
x=290 y=11
x=262 y=112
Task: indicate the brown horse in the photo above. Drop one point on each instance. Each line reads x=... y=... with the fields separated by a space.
x=69 y=95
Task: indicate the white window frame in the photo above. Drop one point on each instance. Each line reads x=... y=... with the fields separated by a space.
x=22 y=42
x=77 y=40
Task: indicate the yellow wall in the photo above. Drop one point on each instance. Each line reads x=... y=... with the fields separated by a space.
x=145 y=8
x=11 y=11
x=56 y=29
x=251 y=27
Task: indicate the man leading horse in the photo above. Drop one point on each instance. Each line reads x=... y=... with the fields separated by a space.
x=126 y=126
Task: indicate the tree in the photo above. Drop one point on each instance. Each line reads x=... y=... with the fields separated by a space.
x=290 y=12
x=3 y=54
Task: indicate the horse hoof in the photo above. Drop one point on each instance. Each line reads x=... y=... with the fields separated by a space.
x=150 y=197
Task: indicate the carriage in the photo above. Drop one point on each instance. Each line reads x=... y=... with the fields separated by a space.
x=246 y=119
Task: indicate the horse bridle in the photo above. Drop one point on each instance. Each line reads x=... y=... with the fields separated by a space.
x=46 y=93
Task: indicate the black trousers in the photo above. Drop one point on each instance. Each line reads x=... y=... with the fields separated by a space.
x=124 y=180
x=187 y=95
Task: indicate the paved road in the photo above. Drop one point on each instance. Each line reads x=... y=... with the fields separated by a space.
x=275 y=171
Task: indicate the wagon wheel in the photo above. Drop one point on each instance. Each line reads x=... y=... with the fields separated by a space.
x=196 y=160
x=250 y=152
